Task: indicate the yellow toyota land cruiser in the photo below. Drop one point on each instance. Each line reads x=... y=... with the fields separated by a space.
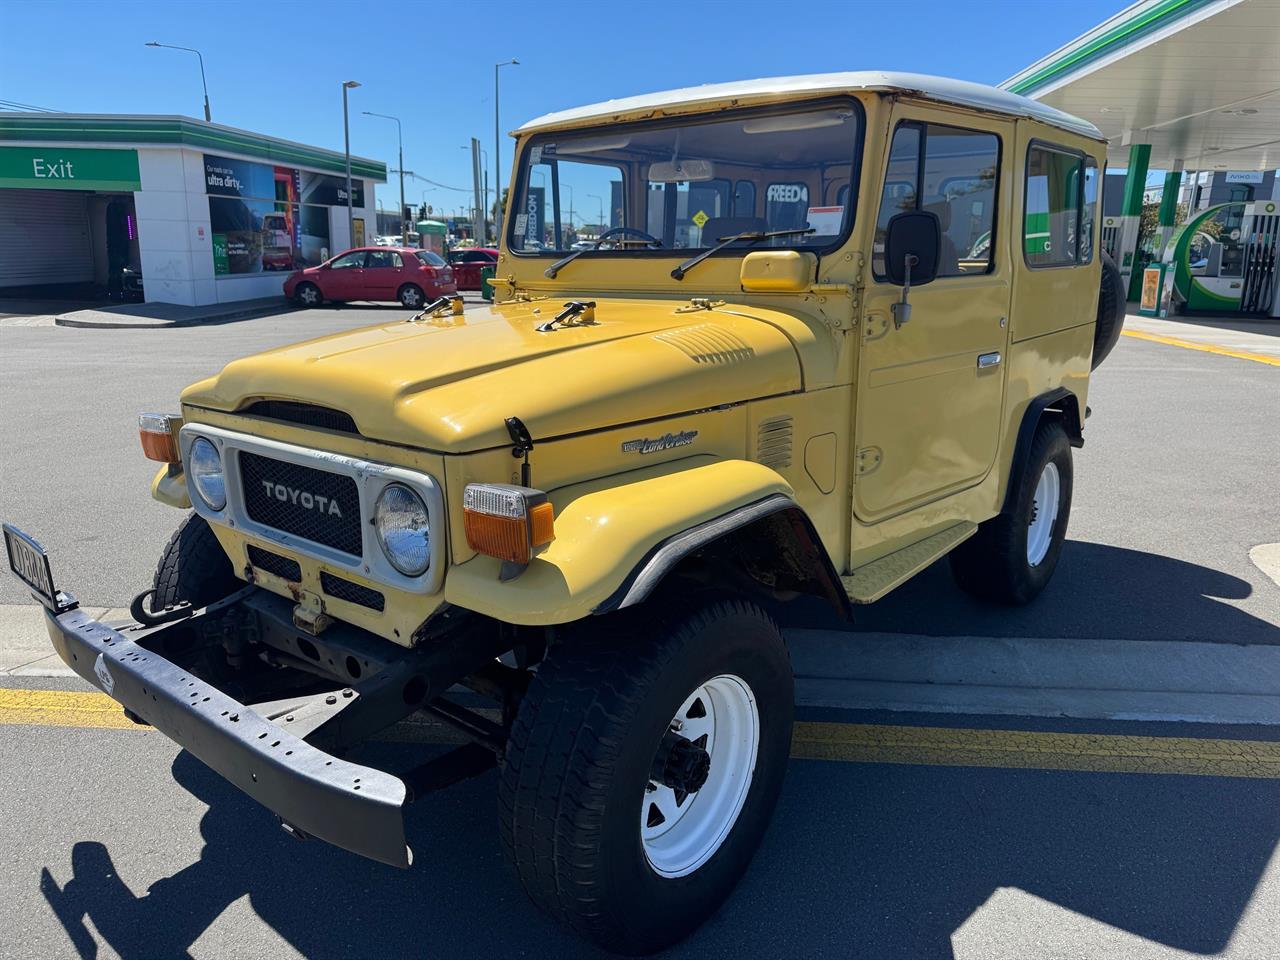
x=750 y=341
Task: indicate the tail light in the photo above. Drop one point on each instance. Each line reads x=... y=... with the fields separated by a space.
x=159 y=435
x=505 y=521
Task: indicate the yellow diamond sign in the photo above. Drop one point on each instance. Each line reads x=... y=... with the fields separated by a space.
x=700 y=218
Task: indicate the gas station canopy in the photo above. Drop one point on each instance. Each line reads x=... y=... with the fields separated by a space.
x=1198 y=80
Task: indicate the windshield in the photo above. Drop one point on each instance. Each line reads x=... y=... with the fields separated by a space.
x=690 y=184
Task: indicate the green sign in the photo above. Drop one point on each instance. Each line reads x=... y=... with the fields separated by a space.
x=69 y=168
x=221 y=264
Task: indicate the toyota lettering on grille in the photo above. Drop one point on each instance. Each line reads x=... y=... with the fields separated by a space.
x=302 y=498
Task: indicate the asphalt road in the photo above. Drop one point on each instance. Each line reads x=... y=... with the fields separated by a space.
x=1177 y=481
x=125 y=846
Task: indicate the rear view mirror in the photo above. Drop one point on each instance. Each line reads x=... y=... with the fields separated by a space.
x=916 y=234
x=912 y=244
x=681 y=171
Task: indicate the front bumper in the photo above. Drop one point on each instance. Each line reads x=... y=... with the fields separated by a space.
x=354 y=807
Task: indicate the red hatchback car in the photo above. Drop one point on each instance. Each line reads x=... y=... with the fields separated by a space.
x=413 y=277
x=466 y=265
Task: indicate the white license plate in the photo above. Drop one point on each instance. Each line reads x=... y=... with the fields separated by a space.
x=30 y=563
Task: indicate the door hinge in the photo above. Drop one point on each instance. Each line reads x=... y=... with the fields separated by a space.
x=868 y=459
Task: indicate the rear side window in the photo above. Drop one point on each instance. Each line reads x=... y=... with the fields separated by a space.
x=1062 y=194
x=383 y=258
x=949 y=171
x=430 y=259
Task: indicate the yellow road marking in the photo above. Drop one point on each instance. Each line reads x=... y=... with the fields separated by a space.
x=61 y=708
x=848 y=742
x=1037 y=750
x=1203 y=347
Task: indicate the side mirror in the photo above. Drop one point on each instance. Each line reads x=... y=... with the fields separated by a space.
x=912 y=244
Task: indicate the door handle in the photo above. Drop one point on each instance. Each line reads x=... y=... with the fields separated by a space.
x=988 y=360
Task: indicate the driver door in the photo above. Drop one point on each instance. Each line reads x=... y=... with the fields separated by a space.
x=344 y=278
x=930 y=391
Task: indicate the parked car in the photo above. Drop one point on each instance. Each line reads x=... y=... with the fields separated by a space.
x=467 y=264
x=413 y=277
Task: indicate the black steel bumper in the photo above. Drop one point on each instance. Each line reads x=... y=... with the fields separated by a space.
x=354 y=807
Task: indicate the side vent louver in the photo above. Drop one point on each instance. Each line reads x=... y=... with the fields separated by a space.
x=773 y=442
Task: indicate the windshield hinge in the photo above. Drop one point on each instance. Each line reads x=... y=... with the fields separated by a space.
x=840 y=302
x=699 y=303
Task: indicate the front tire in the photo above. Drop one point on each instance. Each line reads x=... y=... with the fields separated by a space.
x=193 y=568
x=1012 y=556
x=616 y=823
x=307 y=295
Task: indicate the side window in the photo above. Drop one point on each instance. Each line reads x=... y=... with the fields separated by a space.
x=348 y=260
x=951 y=172
x=1057 y=225
x=382 y=258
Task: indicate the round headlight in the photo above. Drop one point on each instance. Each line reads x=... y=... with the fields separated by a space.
x=206 y=473
x=403 y=531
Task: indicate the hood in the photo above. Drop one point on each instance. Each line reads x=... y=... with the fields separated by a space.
x=448 y=384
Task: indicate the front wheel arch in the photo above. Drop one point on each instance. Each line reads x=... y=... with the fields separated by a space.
x=768 y=548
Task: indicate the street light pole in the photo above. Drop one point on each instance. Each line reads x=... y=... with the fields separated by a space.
x=497 y=148
x=404 y=224
x=207 y=116
x=346 y=137
x=600 y=200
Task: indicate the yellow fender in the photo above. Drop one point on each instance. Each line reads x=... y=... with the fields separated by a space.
x=615 y=537
x=171 y=489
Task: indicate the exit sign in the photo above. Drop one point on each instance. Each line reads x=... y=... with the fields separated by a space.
x=69 y=168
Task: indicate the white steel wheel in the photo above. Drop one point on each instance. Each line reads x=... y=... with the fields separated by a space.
x=681 y=829
x=1044 y=513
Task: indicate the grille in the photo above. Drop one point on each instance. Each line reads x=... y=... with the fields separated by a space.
x=351 y=592
x=275 y=564
x=305 y=414
x=314 y=504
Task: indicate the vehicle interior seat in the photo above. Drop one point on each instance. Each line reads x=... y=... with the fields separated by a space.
x=948 y=255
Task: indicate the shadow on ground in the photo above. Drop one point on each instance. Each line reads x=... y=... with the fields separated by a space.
x=1098 y=591
x=904 y=858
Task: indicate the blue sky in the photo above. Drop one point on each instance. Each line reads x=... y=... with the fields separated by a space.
x=276 y=67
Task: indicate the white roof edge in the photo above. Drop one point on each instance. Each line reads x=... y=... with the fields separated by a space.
x=959 y=92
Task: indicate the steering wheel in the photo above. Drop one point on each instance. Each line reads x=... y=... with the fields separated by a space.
x=629 y=231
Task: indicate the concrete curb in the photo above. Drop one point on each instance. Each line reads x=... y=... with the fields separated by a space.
x=153 y=323
x=1039 y=677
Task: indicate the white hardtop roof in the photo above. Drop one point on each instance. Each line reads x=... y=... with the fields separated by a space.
x=774 y=89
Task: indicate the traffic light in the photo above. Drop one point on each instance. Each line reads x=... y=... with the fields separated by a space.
x=408 y=212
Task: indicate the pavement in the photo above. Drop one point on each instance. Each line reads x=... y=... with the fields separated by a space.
x=1096 y=774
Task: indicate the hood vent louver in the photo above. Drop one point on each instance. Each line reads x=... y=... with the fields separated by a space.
x=773 y=442
x=303 y=414
x=707 y=343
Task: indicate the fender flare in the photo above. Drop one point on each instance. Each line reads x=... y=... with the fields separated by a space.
x=1061 y=402
x=666 y=555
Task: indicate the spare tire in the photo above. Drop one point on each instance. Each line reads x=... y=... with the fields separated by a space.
x=1111 y=307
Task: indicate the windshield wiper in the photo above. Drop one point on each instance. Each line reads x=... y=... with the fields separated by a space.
x=751 y=236
x=551 y=271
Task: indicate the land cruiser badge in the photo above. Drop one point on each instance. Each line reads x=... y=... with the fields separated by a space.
x=668 y=441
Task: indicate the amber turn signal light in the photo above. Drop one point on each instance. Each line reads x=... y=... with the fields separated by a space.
x=159 y=435
x=505 y=521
